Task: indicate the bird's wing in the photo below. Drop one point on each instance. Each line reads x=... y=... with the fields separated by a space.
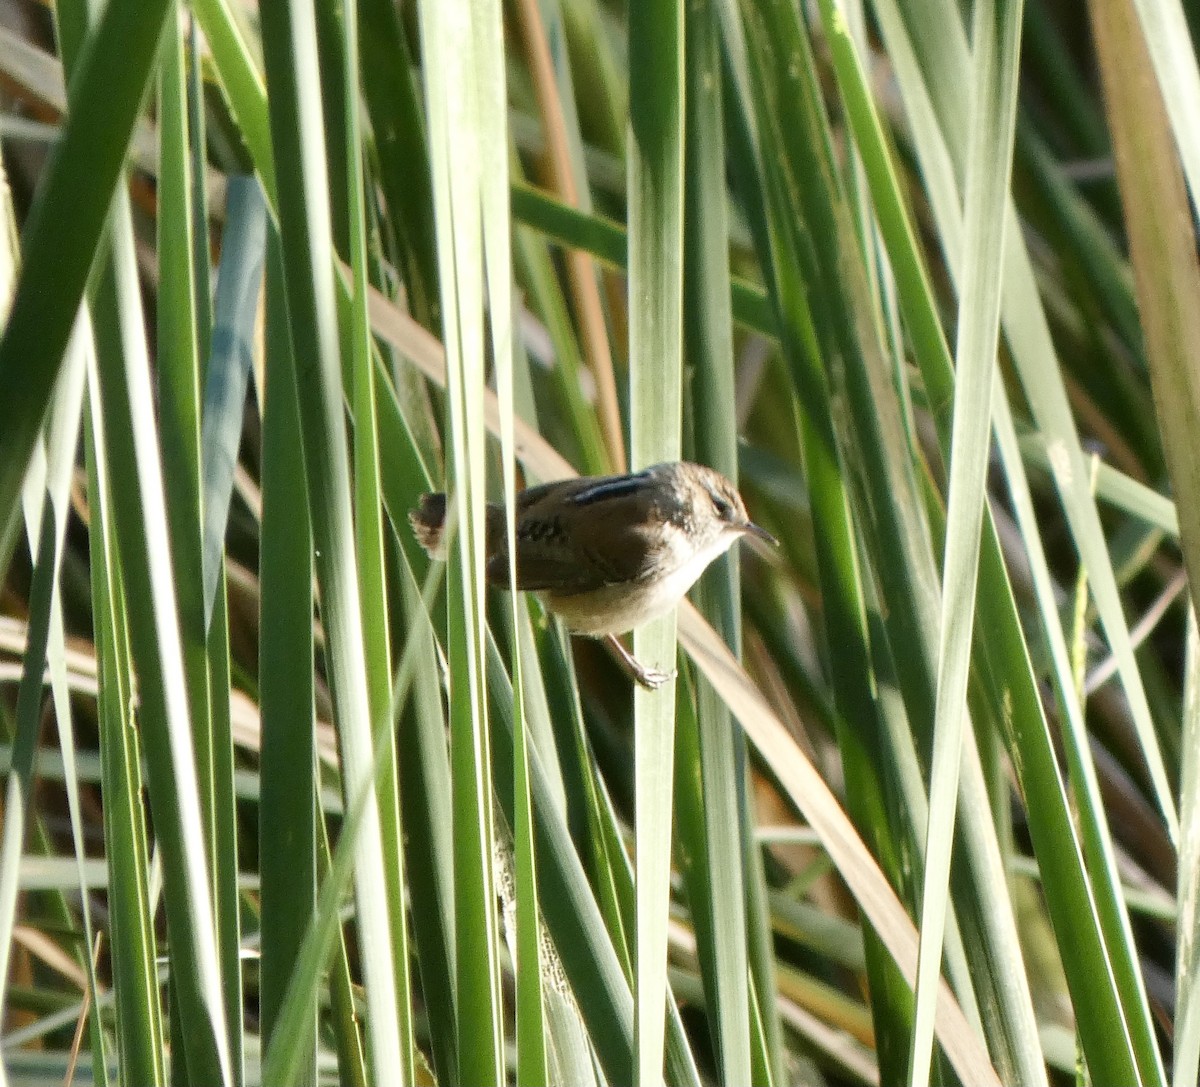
x=577 y=535
x=607 y=557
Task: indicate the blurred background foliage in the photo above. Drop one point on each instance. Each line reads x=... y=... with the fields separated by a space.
x=286 y=802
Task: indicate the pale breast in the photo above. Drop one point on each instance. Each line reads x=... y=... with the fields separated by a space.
x=614 y=609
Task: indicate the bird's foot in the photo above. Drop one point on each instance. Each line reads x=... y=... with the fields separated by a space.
x=650 y=678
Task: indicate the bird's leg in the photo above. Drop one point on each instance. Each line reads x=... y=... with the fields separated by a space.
x=650 y=678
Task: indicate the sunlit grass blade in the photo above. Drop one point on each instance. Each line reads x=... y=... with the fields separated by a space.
x=812 y=798
x=1155 y=200
x=140 y=1056
x=426 y=792
x=605 y=240
x=656 y=141
x=1028 y=335
x=369 y=526
x=721 y=804
x=62 y=440
x=454 y=90
x=529 y=967
x=996 y=43
x=1170 y=50
x=1029 y=339
x=402 y=153
x=204 y=642
x=1187 y=1018
x=243 y=85
x=144 y=555
x=296 y=126
x=1166 y=271
x=1037 y=767
x=574 y=920
x=291 y=1043
x=804 y=218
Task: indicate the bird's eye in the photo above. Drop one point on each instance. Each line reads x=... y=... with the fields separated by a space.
x=723 y=508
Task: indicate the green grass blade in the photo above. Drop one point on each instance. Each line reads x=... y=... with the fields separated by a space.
x=996 y=43
x=20 y=779
x=656 y=67
x=402 y=153
x=287 y=832
x=1155 y=201
x=289 y=1047
x=449 y=49
x=297 y=128
x=369 y=524
x=242 y=84
x=182 y=325
x=140 y=1057
x=141 y=529
x=1028 y=335
x=529 y=967
x=721 y=753
x=62 y=439
x=1187 y=1014
x=58 y=250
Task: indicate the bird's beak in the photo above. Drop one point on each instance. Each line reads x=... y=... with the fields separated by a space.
x=757 y=531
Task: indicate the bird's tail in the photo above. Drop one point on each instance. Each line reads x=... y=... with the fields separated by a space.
x=428 y=522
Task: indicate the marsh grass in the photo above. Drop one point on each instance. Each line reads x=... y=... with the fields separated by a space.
x=286 y=802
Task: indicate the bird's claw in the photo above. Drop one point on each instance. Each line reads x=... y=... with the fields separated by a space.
x=652 y=678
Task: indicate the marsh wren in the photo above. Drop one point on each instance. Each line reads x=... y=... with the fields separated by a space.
x=609 y=553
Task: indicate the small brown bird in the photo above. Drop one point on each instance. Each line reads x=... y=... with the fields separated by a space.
x=609 y=553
